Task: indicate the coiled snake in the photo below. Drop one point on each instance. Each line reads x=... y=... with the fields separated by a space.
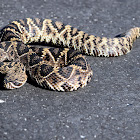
x=62 y=69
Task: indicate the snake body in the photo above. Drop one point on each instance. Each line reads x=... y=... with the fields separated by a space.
x=62 y=69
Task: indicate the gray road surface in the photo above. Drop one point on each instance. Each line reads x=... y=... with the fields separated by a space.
x=108 y=108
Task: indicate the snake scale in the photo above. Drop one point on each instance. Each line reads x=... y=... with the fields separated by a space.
x=61 y=69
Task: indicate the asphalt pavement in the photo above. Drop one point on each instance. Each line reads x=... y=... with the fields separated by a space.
x=108 y=108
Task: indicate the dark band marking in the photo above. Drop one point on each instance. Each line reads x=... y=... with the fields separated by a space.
x=66 y=87
x=45 y=70
x=58 y=29
x=56 y=52
x=100 y=41
x=54 y=79
x=8 y=35
x=94 y=53
x=13 y=26
x=48 y=29
x=46 y=57
x=65 y=71
x=80 y=62
x=72 y=53
x=82 y=39
x=94 y=41
x=39 y=23
x=65 y=35
x=22 y=49
x=6 y=44
x=34 y=59
x=74 y=34
x=71 y=43
x=77 y=42
x=124 y=50
x=87 y=38
x=23 y=22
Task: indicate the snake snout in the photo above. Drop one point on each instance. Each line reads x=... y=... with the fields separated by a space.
x=12 y=85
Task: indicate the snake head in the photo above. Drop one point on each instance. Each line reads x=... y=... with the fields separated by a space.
x=15 y=77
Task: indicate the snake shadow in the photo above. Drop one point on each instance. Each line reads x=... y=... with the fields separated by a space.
x=2 y=81
x=32 y=82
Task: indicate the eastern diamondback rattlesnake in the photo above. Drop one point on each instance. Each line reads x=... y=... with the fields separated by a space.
x=62 y=69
